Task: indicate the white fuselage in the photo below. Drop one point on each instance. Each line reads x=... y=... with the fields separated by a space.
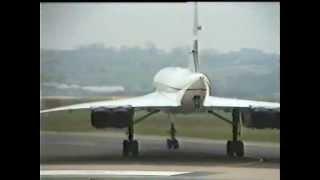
x=193 y=87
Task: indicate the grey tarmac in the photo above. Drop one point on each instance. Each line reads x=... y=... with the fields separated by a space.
x=201 y=158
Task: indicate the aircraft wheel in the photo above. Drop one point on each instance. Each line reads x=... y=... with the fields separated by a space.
x=125 y=148
x=169 y=143
x=229 y=148
x=175 y=144
x=235 y=147
x=240 y=149
x=135 y=148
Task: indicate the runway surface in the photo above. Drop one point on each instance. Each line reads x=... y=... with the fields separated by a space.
x=98 y=155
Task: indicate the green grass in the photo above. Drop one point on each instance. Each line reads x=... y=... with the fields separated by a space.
x=193 y=125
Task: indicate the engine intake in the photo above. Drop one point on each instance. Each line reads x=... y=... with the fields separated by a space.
x=118 y=117
x=261 y=119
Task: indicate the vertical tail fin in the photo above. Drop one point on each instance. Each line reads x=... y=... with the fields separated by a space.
x=196 y=28
x=195 y=56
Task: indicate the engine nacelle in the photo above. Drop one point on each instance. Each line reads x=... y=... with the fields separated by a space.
x=118 y=117
x=261 y=119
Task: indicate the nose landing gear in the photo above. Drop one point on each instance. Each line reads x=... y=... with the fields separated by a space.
x=172 y=143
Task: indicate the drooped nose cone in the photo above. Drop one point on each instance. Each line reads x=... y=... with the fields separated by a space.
x=175 y=78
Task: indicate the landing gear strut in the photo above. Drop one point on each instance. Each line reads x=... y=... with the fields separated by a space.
x=172 y=143
x=130 y=146
x=235 y=147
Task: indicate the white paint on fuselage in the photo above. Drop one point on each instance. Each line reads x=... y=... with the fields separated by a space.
x=185 y=82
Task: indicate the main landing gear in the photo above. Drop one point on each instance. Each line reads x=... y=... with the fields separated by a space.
x=236 y=146
x=172 y=143
x=130 y=146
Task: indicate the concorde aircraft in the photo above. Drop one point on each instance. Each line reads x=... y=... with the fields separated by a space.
x=177 y=90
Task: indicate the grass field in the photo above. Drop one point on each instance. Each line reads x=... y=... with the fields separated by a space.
x=193 y=125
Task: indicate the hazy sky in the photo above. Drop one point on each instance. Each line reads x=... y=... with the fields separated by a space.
x=225 y=25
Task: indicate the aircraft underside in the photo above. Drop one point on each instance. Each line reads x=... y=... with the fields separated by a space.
x=235 y=147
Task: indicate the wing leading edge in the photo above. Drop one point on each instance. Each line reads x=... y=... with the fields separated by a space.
x=212 y=101
x=153 y=100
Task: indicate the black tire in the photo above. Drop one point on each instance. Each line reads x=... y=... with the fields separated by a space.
x=229 y=149
x=169 y=144
x=125 y=148
x=175 y=144
x=240 y=149
x=135 y=148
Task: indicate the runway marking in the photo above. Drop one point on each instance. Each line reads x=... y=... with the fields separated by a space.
x=106 y=172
